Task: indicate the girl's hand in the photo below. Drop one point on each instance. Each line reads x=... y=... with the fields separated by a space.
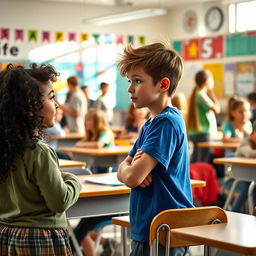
x=64 y=174
x=137 y=156
x=148 y=180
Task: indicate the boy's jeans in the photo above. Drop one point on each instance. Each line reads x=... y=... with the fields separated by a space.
x=142 y=249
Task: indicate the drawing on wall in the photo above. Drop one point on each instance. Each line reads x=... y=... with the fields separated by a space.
x=229 y=79
x=217 y=72
x=245 y=78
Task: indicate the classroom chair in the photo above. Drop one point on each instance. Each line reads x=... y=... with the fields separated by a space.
x=161 y=225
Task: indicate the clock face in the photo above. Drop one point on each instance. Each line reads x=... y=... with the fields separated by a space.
x=214 y=18
x=190 y=21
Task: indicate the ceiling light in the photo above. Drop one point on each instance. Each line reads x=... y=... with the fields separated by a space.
x=127 y=16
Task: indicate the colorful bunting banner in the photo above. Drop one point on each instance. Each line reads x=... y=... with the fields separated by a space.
x=59 y=36
x=19 y=34
x=84 y=37
x=46 y=36
x=32 y=35
x=72 y=36
x=5 y=33
x=130 y=39
x=96 y=38
x=142 y=39
x=119 y=39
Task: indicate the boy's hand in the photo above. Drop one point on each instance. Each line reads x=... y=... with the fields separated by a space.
x=137 y=156
x=148 y=180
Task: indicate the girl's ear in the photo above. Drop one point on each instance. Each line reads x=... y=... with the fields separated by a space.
x=165 y=84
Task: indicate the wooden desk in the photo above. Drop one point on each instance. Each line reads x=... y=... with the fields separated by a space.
x=218 y=144
x=237 y=235
x=243 y=169
x=70 y=163
x=66 y=141
x=102 y=200
x=111 y=156
x=96 y=200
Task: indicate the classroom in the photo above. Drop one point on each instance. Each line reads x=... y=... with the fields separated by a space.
x=84 y=40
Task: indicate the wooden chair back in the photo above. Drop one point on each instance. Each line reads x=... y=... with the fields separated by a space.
x=178 y=218
x=254 y=211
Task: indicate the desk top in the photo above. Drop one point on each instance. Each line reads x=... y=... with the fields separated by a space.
x=91 y=189
x=236 y=161
x=218 y=144
x=69 y=136
x=238 y=234
x=115 y=150
x=70 y=163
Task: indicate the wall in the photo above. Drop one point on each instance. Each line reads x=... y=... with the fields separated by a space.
x=177 y=32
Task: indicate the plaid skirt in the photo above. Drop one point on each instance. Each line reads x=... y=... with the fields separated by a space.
x=26 y=241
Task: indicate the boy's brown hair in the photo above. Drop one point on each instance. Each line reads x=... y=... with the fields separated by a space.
x=73 y=80
x=157 y=60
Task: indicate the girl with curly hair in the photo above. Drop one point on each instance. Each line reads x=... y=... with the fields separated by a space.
x=35 y=194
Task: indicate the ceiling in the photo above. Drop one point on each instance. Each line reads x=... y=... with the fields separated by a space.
x=135 y=3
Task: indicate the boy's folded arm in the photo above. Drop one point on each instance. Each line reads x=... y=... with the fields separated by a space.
x=132 y=174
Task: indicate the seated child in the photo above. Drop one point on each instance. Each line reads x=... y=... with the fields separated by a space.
x=238 y=123
x=134 y=120
x=98 y=133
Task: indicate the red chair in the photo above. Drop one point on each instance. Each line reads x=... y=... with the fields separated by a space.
x=204 y=171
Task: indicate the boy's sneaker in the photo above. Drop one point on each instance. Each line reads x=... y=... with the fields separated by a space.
x=109 y=247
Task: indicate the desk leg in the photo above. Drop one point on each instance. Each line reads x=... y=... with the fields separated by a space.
x=250 y=196
x=74 y=241
x=229 y=198
x=207 y=250
x=124 y=236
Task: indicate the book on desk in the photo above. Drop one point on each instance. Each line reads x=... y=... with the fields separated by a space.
x=109 y=180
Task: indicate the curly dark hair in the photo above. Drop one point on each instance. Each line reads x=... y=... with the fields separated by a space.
x=20 y=111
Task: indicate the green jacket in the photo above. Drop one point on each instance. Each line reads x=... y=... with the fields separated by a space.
x=35 y=195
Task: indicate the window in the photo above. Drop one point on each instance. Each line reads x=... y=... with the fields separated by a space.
x=242 y=16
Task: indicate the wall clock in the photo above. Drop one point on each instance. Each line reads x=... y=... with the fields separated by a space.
x=190 y=21
x=214 y=18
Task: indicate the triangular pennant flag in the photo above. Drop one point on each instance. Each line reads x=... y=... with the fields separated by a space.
x=119 y=39
x=130 y=39
x=142 y=39
x=107 y=39
x=46 y=36
x=59 y=36
x=32 y=35
x=72 y=36
x=19 y=34
x=5 y=33
x=84 y=37
x=96 y=38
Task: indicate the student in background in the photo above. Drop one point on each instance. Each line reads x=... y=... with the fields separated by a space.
x=180 y=102
x=98 y=133
x=201 y=120
x=76 y=106
x=135 y=118
x=247 y=148
x=34 y=193
x=105 y=102
x=86 y=91
x=252 y=100
x=157 y=167
x=238 y=125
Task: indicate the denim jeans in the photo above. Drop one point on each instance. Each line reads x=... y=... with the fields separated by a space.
x=142 y=249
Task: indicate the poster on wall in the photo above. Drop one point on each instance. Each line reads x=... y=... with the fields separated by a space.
x=245 y=79
x=217 y=72
x=229 y=78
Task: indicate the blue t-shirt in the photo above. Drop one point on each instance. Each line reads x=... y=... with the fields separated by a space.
x=164 y=138
x=228 y=129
